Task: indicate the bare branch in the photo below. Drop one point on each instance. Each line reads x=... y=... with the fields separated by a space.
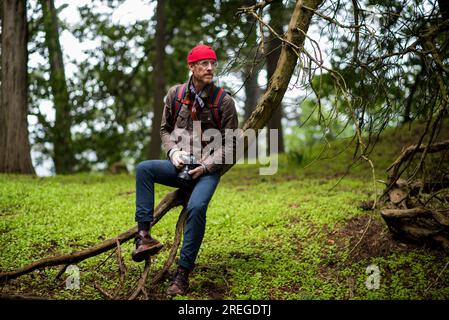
x=103 y=291
x=141 y=284
x=258 y=6
x=174 y=248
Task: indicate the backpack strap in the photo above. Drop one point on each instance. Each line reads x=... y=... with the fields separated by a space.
x=178 y=101
x=217 y=101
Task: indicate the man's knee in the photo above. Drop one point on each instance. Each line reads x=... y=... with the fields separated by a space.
x=144 y=167
x=197 y=209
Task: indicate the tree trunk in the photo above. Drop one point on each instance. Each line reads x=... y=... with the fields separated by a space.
x=251 y=70
x=14 y=145
x=63 y=156
x=252 y=92
x=154 y=150
x=272 y=98
x=274 y=51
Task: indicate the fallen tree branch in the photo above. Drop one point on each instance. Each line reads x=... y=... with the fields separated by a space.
x=20 y=297
x=405 y=213
x=122 y=271
x=105 y=293
x=171 y=200
x=121 y=263
x=143 y=279
x=70 y=258
x=174 y=247
x=61 y=271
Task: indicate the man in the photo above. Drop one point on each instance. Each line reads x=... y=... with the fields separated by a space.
x=196 y=105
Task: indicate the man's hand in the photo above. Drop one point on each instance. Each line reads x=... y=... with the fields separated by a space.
x=176 y=158
x=197 y=172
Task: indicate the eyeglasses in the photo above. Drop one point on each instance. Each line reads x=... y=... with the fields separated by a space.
x=205 y=63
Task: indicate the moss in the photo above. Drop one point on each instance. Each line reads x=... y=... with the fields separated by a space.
x=267 y=237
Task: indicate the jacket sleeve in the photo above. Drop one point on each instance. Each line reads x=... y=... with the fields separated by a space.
x=167 y=122
x=229 y=120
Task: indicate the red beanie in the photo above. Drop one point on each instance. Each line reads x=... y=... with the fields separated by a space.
x=201 y=52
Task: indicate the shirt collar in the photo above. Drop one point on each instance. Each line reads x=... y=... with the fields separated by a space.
x=207 y=89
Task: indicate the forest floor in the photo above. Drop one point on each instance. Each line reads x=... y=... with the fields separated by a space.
x=303 y=233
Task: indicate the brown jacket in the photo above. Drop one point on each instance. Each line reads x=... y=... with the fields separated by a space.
x=184 y=125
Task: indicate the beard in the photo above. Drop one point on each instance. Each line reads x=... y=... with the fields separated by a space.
x=203 y=79
x=207 y=79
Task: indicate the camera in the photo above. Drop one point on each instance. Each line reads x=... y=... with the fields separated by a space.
x=183 y=177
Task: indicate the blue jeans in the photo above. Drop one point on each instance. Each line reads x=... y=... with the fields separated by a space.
x=164 y=172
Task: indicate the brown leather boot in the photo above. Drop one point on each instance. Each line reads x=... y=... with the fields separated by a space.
x=145 y=246
x=180 y=282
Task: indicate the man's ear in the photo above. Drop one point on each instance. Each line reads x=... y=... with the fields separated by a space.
x=190 y=65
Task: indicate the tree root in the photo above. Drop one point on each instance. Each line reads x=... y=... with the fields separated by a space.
x=408 y=210
x=419 y=224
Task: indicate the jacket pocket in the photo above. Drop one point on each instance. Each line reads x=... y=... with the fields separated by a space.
x=183 y=117
x=207 y=121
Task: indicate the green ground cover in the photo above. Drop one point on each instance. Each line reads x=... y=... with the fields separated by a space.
x=300 y=234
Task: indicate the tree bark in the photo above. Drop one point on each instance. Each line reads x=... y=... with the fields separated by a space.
x=278 y=84
x=273 y=53
x=419 y=224
x=14 y=145
x=63 y=156
x=252 y=92
x=154 y=150
x=251 y=71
